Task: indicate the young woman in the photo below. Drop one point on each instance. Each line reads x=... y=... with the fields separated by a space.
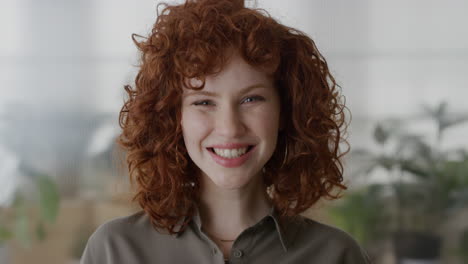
x=232 y=130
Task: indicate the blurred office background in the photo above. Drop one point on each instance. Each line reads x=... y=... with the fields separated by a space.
x=402 y=65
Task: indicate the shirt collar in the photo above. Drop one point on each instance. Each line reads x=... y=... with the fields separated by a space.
x=286 y=227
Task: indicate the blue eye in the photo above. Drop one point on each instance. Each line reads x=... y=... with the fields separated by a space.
x=202 y=103
x=249 y=99
x=252 y=99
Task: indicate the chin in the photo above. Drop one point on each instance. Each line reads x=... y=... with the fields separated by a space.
x=231 y=182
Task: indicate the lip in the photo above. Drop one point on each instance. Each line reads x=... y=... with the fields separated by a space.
x=231 y=145
x=232 y=163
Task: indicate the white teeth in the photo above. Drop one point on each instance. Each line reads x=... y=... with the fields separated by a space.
x=230 y=153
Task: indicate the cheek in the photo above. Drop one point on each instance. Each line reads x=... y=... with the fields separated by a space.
x=271 y=127
x=194 y=126
x=268 y=119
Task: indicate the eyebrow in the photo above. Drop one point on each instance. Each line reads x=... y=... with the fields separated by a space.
x=213 y=94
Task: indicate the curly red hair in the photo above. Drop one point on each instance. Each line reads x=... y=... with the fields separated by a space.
x=192 y=40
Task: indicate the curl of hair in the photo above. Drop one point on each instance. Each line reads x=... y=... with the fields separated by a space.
x=192 y=40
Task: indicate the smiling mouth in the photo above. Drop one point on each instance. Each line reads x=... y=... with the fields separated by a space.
x=249 y=148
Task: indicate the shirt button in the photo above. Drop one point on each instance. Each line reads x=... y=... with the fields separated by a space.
x=214 y=251
x=237 y=253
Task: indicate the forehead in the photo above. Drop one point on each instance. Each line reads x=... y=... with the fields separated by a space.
x=236 y=74
x=239 y=71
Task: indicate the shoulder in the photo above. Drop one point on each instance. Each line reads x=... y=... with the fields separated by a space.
x=330 y=240
x=321 y=232
x=116 y=235
x=122 y=226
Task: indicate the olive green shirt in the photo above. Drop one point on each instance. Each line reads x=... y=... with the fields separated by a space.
x=132 y=239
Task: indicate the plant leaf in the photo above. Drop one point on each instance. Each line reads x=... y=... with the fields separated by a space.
x=5 y=234
x=40 y=231
x=21 y=228
x=380 y=134
x=49 y=198
x=410 y=166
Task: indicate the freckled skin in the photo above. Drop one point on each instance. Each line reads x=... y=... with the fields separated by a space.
x=232 y=116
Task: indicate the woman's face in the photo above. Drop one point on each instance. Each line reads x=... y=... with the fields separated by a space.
x=230 y=127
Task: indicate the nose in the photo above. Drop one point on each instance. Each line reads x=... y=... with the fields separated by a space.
x=230 y=123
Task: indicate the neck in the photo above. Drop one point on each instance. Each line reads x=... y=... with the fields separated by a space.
x=226 y=213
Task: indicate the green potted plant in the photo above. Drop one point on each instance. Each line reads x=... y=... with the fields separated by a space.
x=427 y=183
x=16 y=222
x=360 y=214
